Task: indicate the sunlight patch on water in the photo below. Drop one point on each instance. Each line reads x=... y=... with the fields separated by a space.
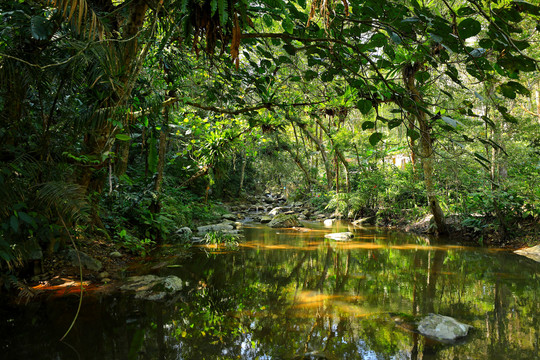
x=347 y=245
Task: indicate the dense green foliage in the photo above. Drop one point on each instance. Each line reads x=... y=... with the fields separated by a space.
x=131 y=118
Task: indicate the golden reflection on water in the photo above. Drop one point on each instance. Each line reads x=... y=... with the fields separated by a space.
x=329 y=305
x=308 y=304
x=347 y=245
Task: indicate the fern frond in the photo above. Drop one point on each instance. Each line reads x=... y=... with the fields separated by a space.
x=223 y=11
x=67 y=199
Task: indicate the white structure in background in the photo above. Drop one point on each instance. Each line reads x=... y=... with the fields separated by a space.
x=399 y=160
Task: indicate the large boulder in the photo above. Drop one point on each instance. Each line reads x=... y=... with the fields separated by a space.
x=342 y=236
x=442 y=328
x=265 y=219
x=182 y=235
x=284 y=221
x=152 y=287
x=215 y=227
x=86 y=261
x=532 y=252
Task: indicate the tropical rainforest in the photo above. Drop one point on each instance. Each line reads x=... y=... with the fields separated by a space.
x=125 y=120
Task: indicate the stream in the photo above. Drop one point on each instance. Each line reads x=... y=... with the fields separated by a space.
x=284 y=294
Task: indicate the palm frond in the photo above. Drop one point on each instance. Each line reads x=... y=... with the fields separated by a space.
x=82 y=17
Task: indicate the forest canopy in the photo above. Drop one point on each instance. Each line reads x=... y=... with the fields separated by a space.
x=124 y=118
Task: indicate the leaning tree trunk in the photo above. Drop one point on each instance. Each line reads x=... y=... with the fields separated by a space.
x=426 y=147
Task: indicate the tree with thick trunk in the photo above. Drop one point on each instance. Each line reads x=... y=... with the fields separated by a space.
x=426 y=146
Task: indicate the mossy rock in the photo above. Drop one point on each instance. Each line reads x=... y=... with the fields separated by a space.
x=284 y=221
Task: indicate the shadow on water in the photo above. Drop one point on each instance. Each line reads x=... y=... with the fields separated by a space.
x=284 y=294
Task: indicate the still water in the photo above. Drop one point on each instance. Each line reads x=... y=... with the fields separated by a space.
x=283 y=294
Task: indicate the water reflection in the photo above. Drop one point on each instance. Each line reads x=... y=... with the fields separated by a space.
x=284 y=294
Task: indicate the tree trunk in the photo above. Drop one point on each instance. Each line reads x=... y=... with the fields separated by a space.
x=162 y=150
x=322 y=151
x=243 y=171
x=100 y=139
x=122 y=157
x=426 y=147
x=340 y=155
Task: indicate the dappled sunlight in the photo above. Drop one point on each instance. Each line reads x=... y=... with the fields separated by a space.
x=68 y=287
x=263 y=246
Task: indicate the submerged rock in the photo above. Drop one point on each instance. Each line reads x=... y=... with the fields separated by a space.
x=87 y=261
x=532 y=253
x=342 y=236
x=443 y=328
x=284 y=221
x=152 y=287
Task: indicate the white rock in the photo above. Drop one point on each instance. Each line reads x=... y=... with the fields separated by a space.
x=532 y=252
x=329 y=222
x=442 y=327
x=275 y=211
x=342 y=236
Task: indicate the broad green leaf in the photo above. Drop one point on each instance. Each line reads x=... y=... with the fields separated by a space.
x=469 y=28
x=377 y=40
x=14 y=223
x=267 y=20
x=123 y=137
x=288 y=25
x=510 y=89
x=41 y=28
x=375 y=138
x=395 y=37
x=327 y=76
x=465 y=11
x=27 y=219
x=485 y=43
x=527 y=7
x=394 y=123
x=516 y=63
x=364 y=106
x=422 y=76
x=283 y=60
x=413 y=134
x=368 y=125
x=310 y=75
x=290 y=49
